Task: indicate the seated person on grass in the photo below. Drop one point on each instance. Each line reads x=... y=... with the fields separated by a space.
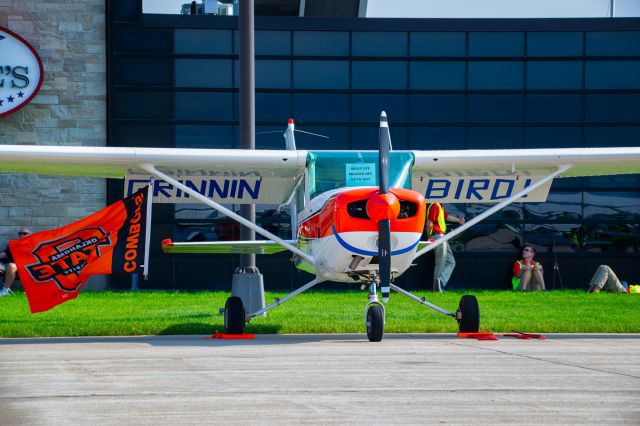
x=8 y=269
x=527 y=273
x=605 y=279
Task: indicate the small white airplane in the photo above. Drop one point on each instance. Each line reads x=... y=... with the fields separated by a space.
x=358 y=216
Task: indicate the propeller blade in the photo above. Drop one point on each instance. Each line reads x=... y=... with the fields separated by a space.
x=384 y=140
x=384 y=257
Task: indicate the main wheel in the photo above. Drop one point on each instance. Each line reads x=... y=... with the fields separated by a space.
x=234 y=316
x=469 y=318
x=375 y=322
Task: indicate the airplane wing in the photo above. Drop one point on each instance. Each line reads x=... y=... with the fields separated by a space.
x=224 y=247
x=225 y=175
x=489 y=176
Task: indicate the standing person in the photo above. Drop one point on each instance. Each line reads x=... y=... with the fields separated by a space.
x=8 y=268
x=436 y=227
x=605 y=279
x=527 y=271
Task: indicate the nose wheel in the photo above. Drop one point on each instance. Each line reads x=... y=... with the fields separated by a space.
x=374 y=316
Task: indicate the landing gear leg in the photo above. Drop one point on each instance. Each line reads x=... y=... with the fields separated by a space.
x=374 y=316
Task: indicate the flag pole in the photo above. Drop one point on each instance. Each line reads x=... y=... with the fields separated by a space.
x=147 y=233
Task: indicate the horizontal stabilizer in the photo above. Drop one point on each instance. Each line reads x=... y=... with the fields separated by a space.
x=223 y=247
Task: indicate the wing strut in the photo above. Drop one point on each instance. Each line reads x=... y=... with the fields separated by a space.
x=195 y=194
x=563 y=168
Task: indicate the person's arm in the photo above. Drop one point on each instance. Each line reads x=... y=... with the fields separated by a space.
x=455 y=219
x=517 y=269
x=429 y=227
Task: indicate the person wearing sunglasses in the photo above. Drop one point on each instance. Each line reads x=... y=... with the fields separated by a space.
x=8 y=269
x=527 y=273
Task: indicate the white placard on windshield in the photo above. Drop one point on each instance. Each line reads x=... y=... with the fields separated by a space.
x=361 y=174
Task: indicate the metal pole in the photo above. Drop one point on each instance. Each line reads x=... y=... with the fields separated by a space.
x=247 y=113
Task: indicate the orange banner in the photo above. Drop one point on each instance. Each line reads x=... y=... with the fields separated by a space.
x=54 y=265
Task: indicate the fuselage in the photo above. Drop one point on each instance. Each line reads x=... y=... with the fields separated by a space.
x=339 y=233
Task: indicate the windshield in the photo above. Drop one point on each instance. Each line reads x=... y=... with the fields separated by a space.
x=337 y=169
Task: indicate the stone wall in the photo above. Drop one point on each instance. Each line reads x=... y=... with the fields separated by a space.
x=70 y=109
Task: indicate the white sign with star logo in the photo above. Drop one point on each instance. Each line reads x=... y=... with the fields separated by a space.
x=20 y=72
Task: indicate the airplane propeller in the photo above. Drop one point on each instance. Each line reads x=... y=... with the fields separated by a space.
x=382 y=207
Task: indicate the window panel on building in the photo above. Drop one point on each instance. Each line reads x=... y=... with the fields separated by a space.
x=321 y=43
x=605 y=238
x=561 y=206
x=496 y=44
x=613 y=75
x=495 y=108
x=425 y=138
x=494 y=237
x=548 y=43
x=321 y=107
x=496 y=75
x=616 y=206
x=149 y=136
x=511 y=214
x=613 y=107
x=438 y=108
x=320 y=74
x=366 y=138
x=556 y=237
x=379 y=75
x=554 y=75
x=495 y=137
x=214 y=73
x=338 y=137
x=144 y=105
x=143 y=40
x=613 y=43
x=437 y=75
x=273 y=107
x=437 y=44
x=553 y=137
x=203 y=41
x=270 y=137
x=612 y=136
x=272 y=74
x=204 y=136
x=379 y=43
x=142 y=71
x=612 y=181
x=365 y=107
x=554 y=108
x=272 y=42
x=204 y=106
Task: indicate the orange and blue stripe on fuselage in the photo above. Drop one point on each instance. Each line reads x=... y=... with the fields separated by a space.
x=342 y=228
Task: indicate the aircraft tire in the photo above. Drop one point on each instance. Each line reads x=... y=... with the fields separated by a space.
x=469 y=321
x=234 y=316
x=375 y=322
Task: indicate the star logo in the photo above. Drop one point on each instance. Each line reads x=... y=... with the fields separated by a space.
x=1 y=102
x=10 y=98
x=20 y=94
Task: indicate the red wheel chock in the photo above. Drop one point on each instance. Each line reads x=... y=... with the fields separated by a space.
x=480 y=335
x=232 y=336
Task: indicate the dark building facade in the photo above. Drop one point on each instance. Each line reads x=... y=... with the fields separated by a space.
x=445 y=84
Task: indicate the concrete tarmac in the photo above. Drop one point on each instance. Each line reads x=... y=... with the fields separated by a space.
x=323 y=379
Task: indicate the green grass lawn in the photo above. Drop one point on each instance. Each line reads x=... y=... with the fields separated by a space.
x=151 y=313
